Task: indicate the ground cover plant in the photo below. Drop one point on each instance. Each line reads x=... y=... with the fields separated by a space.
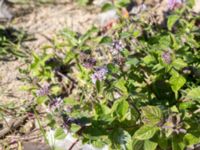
x=133 y=87
x=11 y=43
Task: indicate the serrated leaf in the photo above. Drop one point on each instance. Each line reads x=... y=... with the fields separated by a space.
x=190 y=139
x=59 y=134
x=171 y=21
x=102 y=109
x=74 y=128
x=120 y=108
x=149 y=145
x=176 y=81
x=151 y=115
x=177 y=144
x=137 y=144
x=120 y=84
x=194 y=93
x=179 y=64
x=145 y=132
x=122 y=139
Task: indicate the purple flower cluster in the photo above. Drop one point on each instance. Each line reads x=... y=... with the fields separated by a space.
x=174 y=124
x=166 y=56
x=99 y=74
x=89 y=63
x=44 y=90
x=55 y=103
x=117 y=46
x=173 y=4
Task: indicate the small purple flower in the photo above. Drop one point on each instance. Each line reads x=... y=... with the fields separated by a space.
x=174 y=124
x=44 y=90
x=89 y=63
x=117 y=46
x=173 y=4
x=99 y=74
x=55 y=103
x=166 y=56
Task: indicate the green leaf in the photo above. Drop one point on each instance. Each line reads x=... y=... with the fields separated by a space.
x=171 y=21
x=162 y=141
x=70 y=36
x=83 y=2
x=113 y=68
x=41 y=99
x=176 y=81
x=107 y=6
x=101 y=109
x=98 y=86
x=121 y=84
x=190 y=139
x=56 y=89
x=70 y=101
x=87 y=35
x=74 y=128
x=194 y=93
x=122 y=3
x=145 y=132
x=137 y=144
x=179 y=64
x=148 y=59
x=122 y=139
x=186 y=105
x=120 y=108
x=69 y=57
x=149 y=145
x=151 y=114
x=132 y=61
x=59 y=134
x=105 y=40
x=177 y=143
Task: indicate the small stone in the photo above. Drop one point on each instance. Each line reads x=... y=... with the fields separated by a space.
x=105 y=17
x=5 y=14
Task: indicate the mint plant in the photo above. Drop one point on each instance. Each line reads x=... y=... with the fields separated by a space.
x=11 y=43
x=133 y=87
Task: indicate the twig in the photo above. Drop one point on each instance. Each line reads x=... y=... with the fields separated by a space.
x=73 y=144
x=13 y=124
x=66 y=76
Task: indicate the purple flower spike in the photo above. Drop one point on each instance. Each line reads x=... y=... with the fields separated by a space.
x=44 y=90
x=166 y=56
x=173 y=4
x=99 y=74
x=89 y=63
